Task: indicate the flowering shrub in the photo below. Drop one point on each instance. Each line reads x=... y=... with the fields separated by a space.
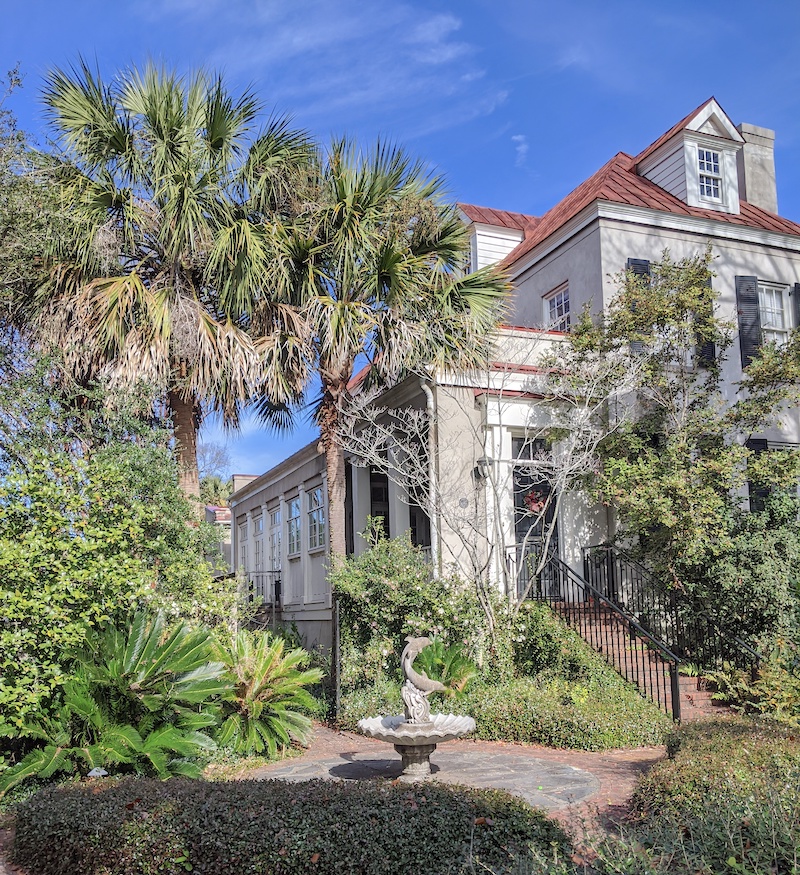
x=386 y=594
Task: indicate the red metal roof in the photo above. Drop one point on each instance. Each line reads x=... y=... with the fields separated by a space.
x=671 y=132
x=500 y=218
x=618 y=182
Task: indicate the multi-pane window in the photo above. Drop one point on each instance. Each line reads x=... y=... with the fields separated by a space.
x=258 y=526
x=259 y=555
x=243 y=556
x=293 y=524
x=772 y=300
x=243 y=545
x=710 y=176
x=316 y=519
x=557 y=309
x=275 y=538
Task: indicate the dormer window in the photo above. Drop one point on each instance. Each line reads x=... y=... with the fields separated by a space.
x=710 y=176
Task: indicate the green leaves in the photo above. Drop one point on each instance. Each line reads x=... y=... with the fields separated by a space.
x=138 y=700
x=268 y=685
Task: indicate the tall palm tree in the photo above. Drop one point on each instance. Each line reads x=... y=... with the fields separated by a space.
x=373 y=265
x=170 y=192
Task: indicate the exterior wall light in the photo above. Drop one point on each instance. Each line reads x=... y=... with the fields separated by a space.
x=482 y=468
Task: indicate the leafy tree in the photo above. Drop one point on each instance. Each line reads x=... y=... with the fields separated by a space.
x=29 y=210
x=170 y=200
x=372 y=265
x=92 y=523
x=677 y=470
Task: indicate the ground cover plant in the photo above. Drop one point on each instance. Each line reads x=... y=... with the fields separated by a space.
x=535 y=680
x=142 y=827
x=727 y=800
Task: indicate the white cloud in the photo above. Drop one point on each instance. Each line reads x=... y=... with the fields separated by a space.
x=521 y=147
x=342 y=65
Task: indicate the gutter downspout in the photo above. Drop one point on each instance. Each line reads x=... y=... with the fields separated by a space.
x=432 y=483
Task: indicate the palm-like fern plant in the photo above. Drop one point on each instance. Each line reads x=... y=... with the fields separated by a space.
x=170 y=200
x=448 y=665
x=138 y=701
x=268 y=686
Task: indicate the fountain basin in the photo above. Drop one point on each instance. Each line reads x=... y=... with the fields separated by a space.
x=396 y=730
x=415 y=742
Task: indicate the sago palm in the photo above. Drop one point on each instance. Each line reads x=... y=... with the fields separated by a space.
x=268 y=685
x=138 y=700
x=373 y=264
x=170 y=198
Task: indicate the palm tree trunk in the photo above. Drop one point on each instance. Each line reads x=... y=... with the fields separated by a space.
x=185 y=430
x=334 y=464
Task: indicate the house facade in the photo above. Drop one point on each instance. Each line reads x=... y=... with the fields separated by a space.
x=705 y=181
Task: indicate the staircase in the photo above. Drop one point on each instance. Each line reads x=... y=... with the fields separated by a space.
x=646 y=636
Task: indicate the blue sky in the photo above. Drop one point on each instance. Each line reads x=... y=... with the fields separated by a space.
x=515 y=101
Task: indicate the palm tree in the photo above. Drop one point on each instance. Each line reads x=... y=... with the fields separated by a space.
x=373 y=265
x=169 y=198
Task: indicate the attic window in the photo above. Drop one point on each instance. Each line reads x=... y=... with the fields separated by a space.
x=710 y=176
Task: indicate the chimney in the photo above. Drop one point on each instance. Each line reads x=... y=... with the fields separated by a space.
x=755 y=164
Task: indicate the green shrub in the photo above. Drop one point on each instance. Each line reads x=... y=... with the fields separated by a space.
x=599 y=713
x=775 y=692
x=378 y=699
x=135 y=703
x=728 y=800
x=267 y=688
x=387 y=593
x=142 y=827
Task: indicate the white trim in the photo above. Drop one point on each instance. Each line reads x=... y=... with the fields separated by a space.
x=713 y=109
x=654 y=219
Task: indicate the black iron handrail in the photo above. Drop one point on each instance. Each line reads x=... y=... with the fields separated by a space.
x=625 y=643
x=684 y=626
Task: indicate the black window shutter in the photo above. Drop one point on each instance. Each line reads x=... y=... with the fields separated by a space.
x=639 y=267
x=757 y=494
x=706 y=351
x=796 y=305
x=749 y=318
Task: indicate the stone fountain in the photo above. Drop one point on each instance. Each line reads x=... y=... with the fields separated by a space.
x=416 y=733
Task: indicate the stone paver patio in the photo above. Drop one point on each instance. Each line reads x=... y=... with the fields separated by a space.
x=544 y=777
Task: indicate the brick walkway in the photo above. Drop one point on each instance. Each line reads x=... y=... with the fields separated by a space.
x=581 y=789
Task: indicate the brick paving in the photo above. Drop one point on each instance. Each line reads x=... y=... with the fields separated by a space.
x=583 y=790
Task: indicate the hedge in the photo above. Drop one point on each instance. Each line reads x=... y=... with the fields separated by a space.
x=145 y=826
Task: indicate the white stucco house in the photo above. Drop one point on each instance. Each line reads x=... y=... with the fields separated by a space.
x=704 y=181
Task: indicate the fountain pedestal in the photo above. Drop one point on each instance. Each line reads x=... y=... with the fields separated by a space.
x=416 y=761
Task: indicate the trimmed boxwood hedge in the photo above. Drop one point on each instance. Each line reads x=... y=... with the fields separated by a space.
x=144 y=826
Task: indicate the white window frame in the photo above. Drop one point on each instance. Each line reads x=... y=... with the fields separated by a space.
x=317 y=528
x=275 y=539
x=773 y=310
x=258 y=525
x=556 y=308
x=709 y=169
x=294 y=527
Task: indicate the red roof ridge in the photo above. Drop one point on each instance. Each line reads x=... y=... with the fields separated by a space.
x=675 y=129
x=501 y=218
